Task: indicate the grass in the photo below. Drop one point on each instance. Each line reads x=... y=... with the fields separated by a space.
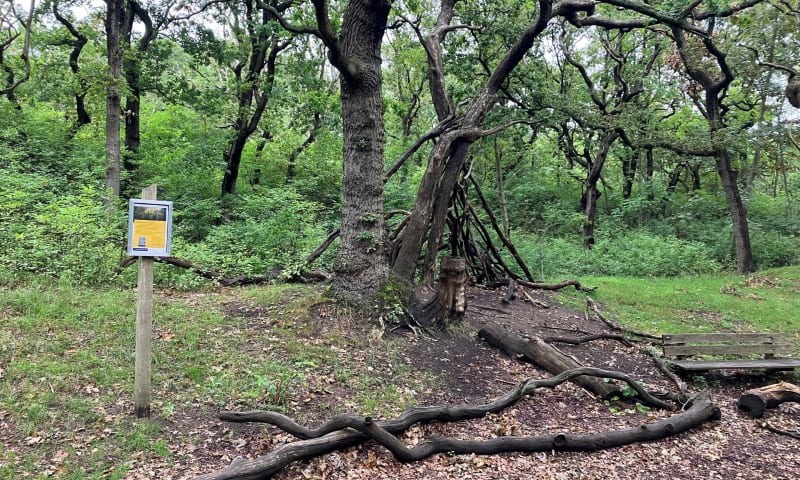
x=767 y=301
x=67 y=370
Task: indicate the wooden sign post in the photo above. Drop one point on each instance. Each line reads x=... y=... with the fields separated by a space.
x=149 y=232
x=144 y=326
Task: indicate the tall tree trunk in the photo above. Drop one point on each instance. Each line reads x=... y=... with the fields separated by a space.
x=252 y=97
x=674 y=178
x=629 y=164
x=448 y=156
x=715 y=83
x=114 y=15
x=361 y=263
x=741 y=231
x=591 y=193
x=501 y=190
x=755 y=166
x=131 y=65
x=233 y=158
x=77 y=43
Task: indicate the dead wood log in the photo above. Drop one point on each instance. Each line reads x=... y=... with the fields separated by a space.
x=347 y=430
x=313 y=256
x=755 y=401
x=537 y=351
x=450 y=301
x=500 y=232
x=538 y=303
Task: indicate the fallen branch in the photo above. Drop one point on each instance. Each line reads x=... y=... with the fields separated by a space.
x=789 y=433
x=589 y=338
x=683 y=391
x=321 y=248
x=347 y=430
x=590 y=304
x=493 y=309
x=557 y=286
x=211 y=274
x=538 y=303
x=540 y=353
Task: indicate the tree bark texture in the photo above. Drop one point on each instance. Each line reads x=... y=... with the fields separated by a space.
x=450 y=301
x=361 y=264
x=741 y=231
x=757 y=400
x=113 y=21
x=348 y=430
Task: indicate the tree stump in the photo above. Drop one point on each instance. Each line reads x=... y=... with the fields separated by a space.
x=450 y=301
x=756 y=400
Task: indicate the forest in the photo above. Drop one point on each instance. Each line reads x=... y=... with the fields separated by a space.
x=345 y=155
x=537 y=139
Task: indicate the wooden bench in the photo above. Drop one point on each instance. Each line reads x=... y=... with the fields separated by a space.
x=744 y=346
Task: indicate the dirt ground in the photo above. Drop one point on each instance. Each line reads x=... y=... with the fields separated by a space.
x=469 y=371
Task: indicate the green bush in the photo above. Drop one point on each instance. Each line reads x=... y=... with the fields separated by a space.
x=638 y=254
x=771 y=249
x=267 y=229
x=69 y=236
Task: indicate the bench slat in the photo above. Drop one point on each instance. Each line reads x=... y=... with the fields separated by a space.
x=676 y=338
x=778 y=363
x=675 y=350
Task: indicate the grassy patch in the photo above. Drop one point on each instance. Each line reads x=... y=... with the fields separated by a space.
x=67 y=370
x=766 y=301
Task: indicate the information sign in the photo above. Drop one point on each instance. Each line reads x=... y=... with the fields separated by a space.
x=149 y=228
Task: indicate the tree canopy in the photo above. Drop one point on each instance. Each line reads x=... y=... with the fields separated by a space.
x=535 y=139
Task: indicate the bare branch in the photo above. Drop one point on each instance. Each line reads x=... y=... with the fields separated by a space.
x=24 y=55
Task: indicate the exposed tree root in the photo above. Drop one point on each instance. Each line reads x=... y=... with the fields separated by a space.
x=535 y=350
x=789 y=433
x=348 y=430
x=589 y=338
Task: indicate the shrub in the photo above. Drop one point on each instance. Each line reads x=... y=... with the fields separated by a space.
x=70 y=237
x=771 y=249
x=267 y=229
x=635 y=254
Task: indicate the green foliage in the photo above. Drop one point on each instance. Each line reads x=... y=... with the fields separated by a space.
x=43 y=231
x=268 y=229
x=636 y=254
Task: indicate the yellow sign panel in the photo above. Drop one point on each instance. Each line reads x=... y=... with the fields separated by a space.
x=150 y=234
